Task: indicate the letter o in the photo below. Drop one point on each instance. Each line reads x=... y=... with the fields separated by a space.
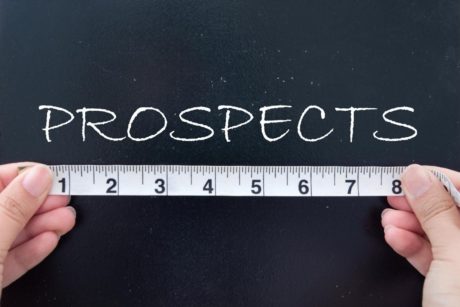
x=139 y=111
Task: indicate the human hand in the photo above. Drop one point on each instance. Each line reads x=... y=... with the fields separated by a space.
x=31 y=222
x=424 y=227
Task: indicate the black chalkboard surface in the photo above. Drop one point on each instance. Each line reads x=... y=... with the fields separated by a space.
x=173 y=55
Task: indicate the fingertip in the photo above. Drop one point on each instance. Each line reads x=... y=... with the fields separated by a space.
x=384 y=216
x=392 y=238
x=383 y=219
x=72 y=210
x=402 y=220
x=416 y=181
x=399 y=203
x=384 y=211
x=47 y=242
x=46 y=169
x=391 y=198
x=72 y=219
x=37 y=180
x=68 y=220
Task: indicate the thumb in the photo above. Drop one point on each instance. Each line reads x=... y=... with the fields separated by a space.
x=433 y=206
x=19 y=201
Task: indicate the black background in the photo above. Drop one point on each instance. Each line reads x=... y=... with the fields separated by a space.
x=174 y=54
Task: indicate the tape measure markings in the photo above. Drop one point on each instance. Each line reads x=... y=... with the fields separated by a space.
x=205 y=180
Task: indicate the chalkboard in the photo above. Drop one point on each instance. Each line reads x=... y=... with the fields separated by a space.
x=175 y=55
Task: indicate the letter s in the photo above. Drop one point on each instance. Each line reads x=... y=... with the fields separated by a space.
x=192 y=123
x=385 y=118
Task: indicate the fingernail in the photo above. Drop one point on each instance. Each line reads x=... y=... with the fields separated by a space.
x=37 y=180
x=72 y=209
x=384 y=211
x=416 y=181
x=23 y=168
x=387 y=228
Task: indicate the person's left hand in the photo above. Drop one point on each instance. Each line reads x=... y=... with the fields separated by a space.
x=31 y=222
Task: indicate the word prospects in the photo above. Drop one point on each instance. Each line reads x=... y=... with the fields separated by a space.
x=228 y=126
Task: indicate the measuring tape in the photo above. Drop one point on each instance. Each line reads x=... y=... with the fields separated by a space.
x=193 y=180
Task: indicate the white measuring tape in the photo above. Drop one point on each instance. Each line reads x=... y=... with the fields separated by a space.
x=190 y=180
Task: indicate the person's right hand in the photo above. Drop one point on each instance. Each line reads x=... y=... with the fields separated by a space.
x=424 y=227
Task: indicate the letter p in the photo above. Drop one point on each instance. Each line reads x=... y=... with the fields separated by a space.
x=48 y=119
